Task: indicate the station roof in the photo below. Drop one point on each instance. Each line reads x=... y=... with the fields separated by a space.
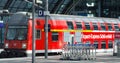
x=16 y=5
x=55 y=6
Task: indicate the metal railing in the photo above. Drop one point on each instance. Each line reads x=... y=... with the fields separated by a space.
x=79 y=52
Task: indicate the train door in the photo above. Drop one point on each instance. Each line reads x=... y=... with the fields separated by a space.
x=78 y=37
x=68 y=37
x=115 y=47
x=117 y=39
x=71 y=39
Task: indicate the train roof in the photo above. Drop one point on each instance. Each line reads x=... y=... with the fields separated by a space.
x=19 y=18
x=22 y=18
x=83 y=18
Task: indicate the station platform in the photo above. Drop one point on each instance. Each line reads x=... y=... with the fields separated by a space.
x=101 y=58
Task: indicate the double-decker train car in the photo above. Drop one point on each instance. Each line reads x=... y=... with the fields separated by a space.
x=63 y=29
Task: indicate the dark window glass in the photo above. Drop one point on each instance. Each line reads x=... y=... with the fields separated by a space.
x=116 y=27
x=70 y=25
x=87 y=26
x=96 y=44
x=38 y=34
x=103 y=45
x=95 y=26
x=79 y=25
x=54 y=36
x=17 y=33
x=87 y=42
x=103 y=26
x=110 y=45
x=109 y=27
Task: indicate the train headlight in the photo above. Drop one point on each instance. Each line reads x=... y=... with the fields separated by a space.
x=6 y=45
x=24 y=45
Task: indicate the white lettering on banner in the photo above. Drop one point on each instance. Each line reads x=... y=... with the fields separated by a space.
x=100 y=36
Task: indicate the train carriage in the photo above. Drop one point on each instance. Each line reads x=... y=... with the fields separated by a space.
x=64 y=29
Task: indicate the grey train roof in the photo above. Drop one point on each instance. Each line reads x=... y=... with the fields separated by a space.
x=84 y=18
x=21 y=18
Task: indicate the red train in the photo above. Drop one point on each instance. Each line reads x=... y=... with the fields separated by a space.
x=63 y=29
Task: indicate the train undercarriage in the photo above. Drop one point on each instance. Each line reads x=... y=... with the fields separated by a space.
x=7 y=53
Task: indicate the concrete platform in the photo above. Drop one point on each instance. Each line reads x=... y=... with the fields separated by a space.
x=101 y=58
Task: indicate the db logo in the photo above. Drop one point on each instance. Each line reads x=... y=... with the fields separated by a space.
x=40 y=13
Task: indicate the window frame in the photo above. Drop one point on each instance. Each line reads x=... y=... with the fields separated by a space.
x=38 y=37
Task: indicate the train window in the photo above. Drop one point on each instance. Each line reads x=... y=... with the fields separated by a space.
x=54 y=36
x=102 y=26
x=103 y=45
x=96 y=44
x=87 y=26
x=95 y=26
x=116 y=27
x=38 y=34
x=109 y=27
x=79 y=25
x=22 y=35
x=110 y=44
x=17 y=33
x=70 y=25
x=87 y=42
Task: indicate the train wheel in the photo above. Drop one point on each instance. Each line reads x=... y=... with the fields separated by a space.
x=4 y=54
x=18 y=54
x=114 y=54
x=11 y=54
